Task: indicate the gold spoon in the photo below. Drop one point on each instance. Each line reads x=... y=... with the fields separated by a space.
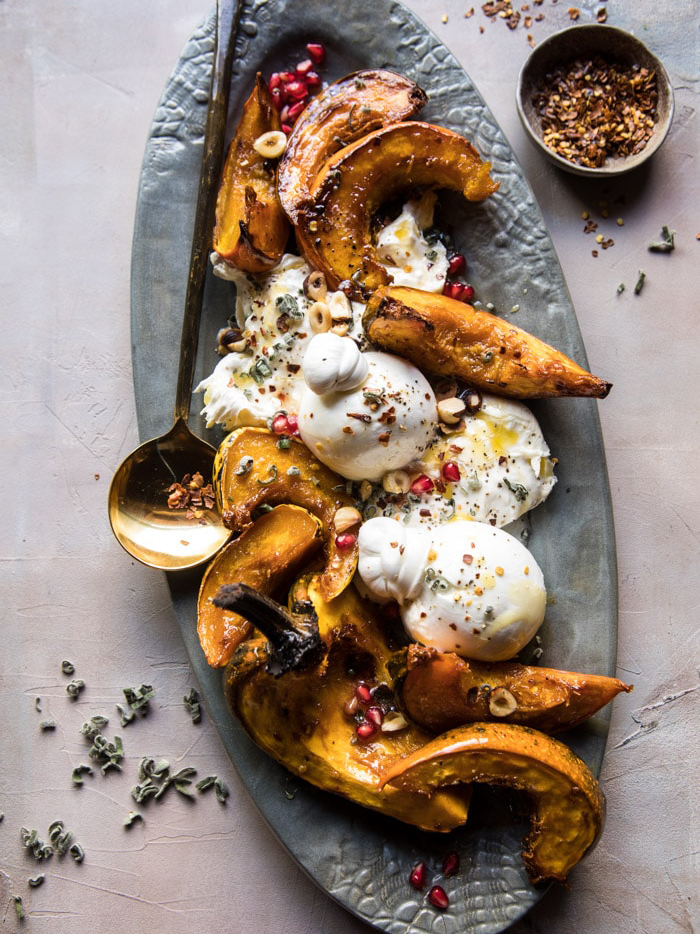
x=141 y=520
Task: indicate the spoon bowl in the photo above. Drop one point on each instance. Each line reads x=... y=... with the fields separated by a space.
x=144 y=524
x=141 y=519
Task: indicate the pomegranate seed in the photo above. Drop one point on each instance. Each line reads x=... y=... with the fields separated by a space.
x=418 y=876
x=317 y=52
x=277 y=98
x=422 y=484
x=366 y=730
x=280 y=425
x=350 y=707
x=293 y=424
x=296 y=109
x=275 y=80
x=303 y=68
x=287 y=76
x=362 y=692
x=345 y=540
x=457 y=265
x=374 y=715
x=437 y=897
x=296 y=90
x=450 y=472
x=313 y=80
x=284 y=113
x=286 y=129
x=450 y=865
x=458 y=291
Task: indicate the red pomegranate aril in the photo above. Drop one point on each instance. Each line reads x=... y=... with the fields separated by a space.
x=450 y=864
x=284 y=113
x=313 y=80
x=350 y=707
x=345 y=540
x=450 y=472
x=374 y=715
x=457 y=265
x=422 y=484
x=287 y=76
x=286 y=129
x=296 y=90
x=275 y=80
x=418 y=876
x=317 y=52
x=437 y=897
x=366 y=730
x=303 y=68
x=277 y=98
x=280 y=425
x=293 y=424
x=461 y=292
x=362 y=692
x=296 y=109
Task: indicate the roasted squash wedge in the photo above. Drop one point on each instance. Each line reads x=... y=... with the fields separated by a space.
x=342 y=113
x=334 y=230
x=267 y=556
x=299 y=720
x=251 y=228
x=568 y=808
x=441 y=691
x=250 y=470
x=448 y=338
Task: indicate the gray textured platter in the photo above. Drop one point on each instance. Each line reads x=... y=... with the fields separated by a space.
x=358 y=858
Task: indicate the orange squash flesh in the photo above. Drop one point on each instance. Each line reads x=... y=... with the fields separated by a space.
x=568 y=808
x=251 y=228
x=449 y=338
x=342 y=113
x=442 y=691
x=267 y=556
x=279 y=476
x=334 y=231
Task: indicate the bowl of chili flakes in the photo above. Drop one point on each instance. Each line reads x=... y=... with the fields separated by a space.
x=595 y=100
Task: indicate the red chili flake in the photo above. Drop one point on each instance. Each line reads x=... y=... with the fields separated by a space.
x=467 y=559
x=191 y=494
x=450 y=864
x=437 y=897
x=422 y=484
x=418 y=876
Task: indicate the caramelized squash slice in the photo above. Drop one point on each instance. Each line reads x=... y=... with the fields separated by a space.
x=334 y=229
x=448 y=338
x=251 y=228
x=441 y=691
x=267 y=556
x=298 y=719
x=342 y=113
x=568 y=808
x=251 y=471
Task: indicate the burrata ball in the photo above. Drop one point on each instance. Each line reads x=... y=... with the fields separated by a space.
x=382 y=424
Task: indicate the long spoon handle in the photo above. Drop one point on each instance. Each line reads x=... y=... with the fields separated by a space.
x=227 y=16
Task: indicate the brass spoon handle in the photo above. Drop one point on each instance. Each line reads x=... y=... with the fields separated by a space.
x=227 y=17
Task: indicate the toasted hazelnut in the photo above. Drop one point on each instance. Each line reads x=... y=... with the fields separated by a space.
x=340 y=328
x=501 y=702
x=320 y=317
x=365 y=490
x=347 y=517
x=451 y=410
x=315 y=286
x=394 y=721
x=396 y=481
x=230 y=340
x=271 y=145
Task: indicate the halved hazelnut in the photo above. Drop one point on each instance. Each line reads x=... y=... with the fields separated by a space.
x=346 y=518
x=315 y=286
x=320 y=317
x=451 y=410
x=396 y=481
x=501 y=702
x=270 y=145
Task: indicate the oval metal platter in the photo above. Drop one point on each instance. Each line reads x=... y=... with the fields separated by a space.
x=360 y=859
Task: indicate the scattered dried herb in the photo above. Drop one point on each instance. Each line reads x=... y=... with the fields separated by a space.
x=74 y=687
x=640 y=282
x=32 y=841
x=621 y=288
x=68 y=668
x=519 y=491
x=78 y=772
x=194 y=708
x=36 y=881
x=47 y=725
x=592 y=110
x=19 y=910
x=108 y=754
x=667 y=243
x=133 y=817
x=191 y=494
x=138 y=701
x=61 y=838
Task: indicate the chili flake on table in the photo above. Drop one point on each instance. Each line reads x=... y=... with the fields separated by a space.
x=591 y=109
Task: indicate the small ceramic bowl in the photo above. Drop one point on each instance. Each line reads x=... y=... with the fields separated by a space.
x=586 y=41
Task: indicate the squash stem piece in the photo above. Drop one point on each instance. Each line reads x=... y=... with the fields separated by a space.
x=294 y=641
